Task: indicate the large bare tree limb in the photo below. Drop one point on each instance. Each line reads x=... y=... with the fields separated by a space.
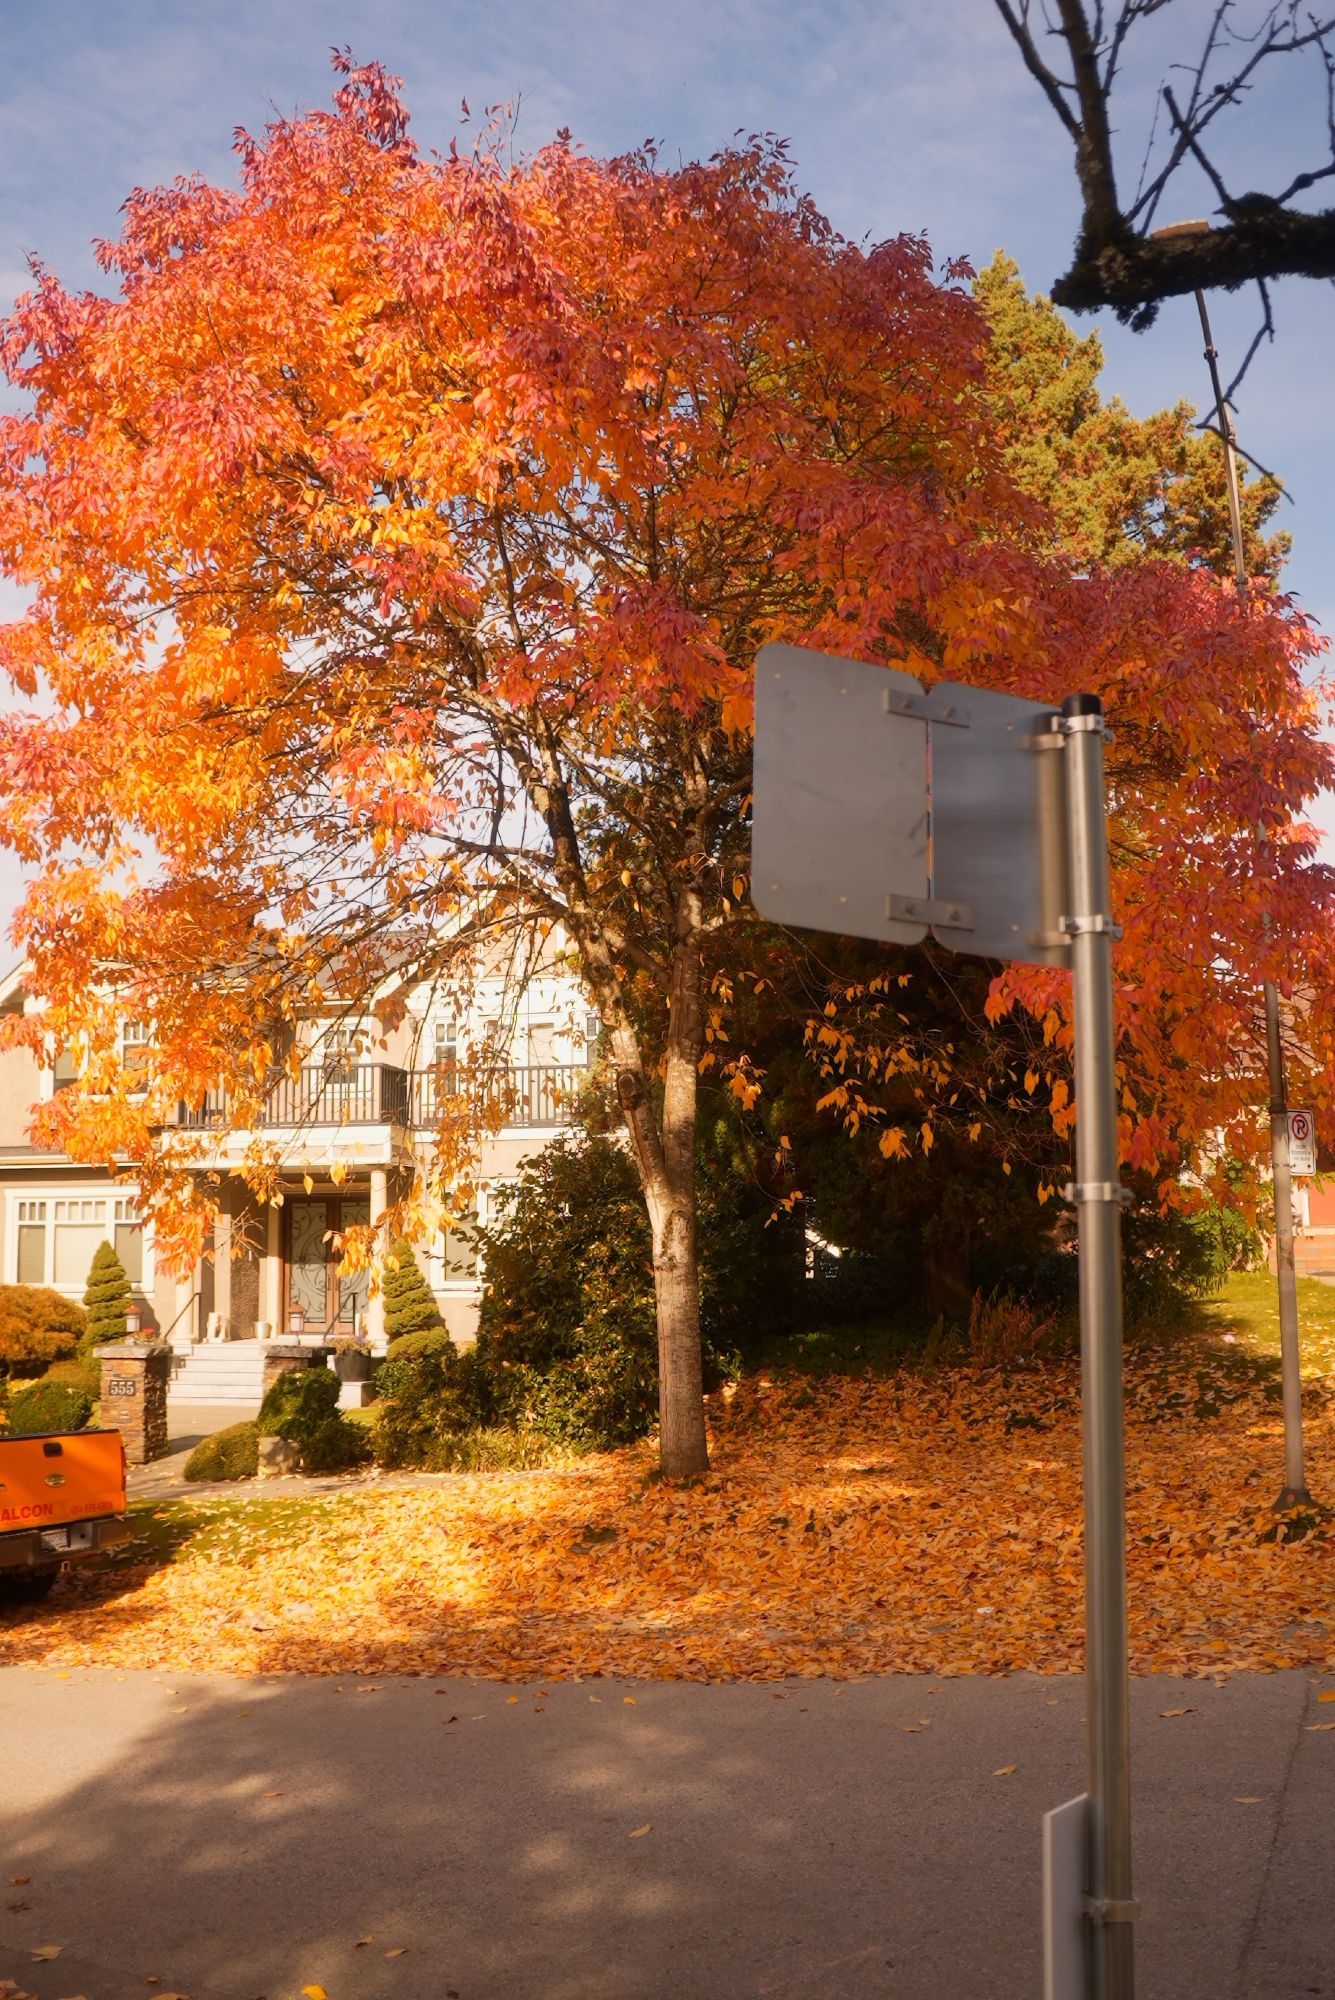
x=1259 y=236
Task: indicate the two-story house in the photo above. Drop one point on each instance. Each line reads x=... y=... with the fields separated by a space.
x=352 y=1128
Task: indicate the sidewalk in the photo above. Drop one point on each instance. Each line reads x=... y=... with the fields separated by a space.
x=646 y=1841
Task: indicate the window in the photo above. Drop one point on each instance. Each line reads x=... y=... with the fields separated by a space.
x=128 y=1239
x=80 y=1225
x=541 y=1044
x=32 y=1243
x=460 y=1251
x=135 y=1039
x=593 y=1028
x=65 y=1069
x=447 y=1044
x=56 y=1236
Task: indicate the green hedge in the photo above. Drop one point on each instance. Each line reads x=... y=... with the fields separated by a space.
x=230 y=1454
x=302 y=1406
x=48 y=1406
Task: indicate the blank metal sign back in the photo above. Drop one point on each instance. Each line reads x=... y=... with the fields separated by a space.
x=840 y=798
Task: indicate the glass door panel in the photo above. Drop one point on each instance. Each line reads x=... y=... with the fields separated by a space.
x=308 y=1262
x=352 y=1291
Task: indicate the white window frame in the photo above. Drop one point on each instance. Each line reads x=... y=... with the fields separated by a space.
x=99 y=1204
x=439 y=1281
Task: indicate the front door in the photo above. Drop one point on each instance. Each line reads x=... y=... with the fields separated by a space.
x=330 y=1303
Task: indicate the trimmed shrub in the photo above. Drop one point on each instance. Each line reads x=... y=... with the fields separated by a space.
x=84 y=1372
x=48 y=1407
x=409 y=1304
x=428 y=1400
x=302 y=1407
x=106 y=1298
x=410 y=1345
x=230 y=1454
x=37 y=1327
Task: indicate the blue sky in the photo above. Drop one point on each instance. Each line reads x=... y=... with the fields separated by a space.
x=901 y=116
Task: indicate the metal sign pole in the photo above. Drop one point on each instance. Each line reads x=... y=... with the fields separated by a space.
x=1109 y=1909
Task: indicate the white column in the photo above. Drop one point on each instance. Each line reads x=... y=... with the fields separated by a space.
x=375 y=1309
x=222 y=1268
x=271 y=1290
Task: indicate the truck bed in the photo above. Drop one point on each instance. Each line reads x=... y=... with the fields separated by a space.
x=60 y=1497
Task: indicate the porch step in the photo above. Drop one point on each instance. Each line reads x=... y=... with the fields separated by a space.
x=221 y=1372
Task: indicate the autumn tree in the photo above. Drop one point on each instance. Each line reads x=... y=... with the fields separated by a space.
x=401 y=533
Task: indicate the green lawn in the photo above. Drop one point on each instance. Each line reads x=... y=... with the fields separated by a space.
x=1248 y=1308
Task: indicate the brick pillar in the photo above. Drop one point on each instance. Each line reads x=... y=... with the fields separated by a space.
x=283 y=1359
x=135 y=1374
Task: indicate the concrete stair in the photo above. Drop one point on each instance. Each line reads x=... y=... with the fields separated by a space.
x=218 y=1372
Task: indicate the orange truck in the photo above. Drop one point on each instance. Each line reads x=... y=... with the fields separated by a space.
x=62 y=1498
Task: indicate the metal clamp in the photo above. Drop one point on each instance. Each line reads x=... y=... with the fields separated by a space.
x=1075 y=725
x=926 y=910
x=1077 y=1191
x=1108 y=1910
x=1090 y=926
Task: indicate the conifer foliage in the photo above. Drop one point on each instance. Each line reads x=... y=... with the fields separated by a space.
x=106 y=1298
x=409 y=1304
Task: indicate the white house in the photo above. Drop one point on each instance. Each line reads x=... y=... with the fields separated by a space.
x=365 y=1110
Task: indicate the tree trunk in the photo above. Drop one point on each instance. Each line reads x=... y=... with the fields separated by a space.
x=683 y=1445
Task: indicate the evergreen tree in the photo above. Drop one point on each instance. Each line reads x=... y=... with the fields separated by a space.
x=409 y=1304
x=1119 y=487
x=106 y=1298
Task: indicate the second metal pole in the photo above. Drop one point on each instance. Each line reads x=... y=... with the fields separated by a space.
x=1294 y=1492
x=1109 y=1908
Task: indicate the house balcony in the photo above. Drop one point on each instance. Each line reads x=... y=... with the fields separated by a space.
x=363 y=1112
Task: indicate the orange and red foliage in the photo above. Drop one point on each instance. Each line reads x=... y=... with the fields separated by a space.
x=920 y=1524
x=401 y=534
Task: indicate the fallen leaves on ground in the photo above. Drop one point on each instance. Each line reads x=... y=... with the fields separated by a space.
x=921 y=1522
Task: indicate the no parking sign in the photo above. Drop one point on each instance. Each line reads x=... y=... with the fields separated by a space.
x=1302 y=1142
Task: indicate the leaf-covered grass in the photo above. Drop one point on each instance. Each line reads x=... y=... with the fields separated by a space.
x=924 y=1520
x=1248 y=1308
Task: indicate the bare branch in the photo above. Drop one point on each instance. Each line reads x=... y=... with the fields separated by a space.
x=1116 y=262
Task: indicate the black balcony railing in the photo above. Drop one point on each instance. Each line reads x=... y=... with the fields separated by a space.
x=327 y=1094
x=516 y=1094
x=379 y=1094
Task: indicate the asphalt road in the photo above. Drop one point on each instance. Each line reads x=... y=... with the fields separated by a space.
x=237 y=1838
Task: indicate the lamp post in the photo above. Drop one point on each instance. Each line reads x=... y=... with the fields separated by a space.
x=1294 y=1492
x=133 y=1321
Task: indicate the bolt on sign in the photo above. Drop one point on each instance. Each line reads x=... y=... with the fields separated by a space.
x=883 y=810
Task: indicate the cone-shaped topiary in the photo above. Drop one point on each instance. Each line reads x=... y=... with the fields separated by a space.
x=107 y=1296
x=409 y=1304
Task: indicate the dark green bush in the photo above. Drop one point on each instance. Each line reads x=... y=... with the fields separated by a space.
x=106 y=1298
x=428 y=1401
x=37 y=1327
x=409 y=1345
x=567 y=1349
x=83 y=1372
x=410 y=1305
x=48 y=1406
x=230 y=1454
x=1173 y=1259
x=302 y=1407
